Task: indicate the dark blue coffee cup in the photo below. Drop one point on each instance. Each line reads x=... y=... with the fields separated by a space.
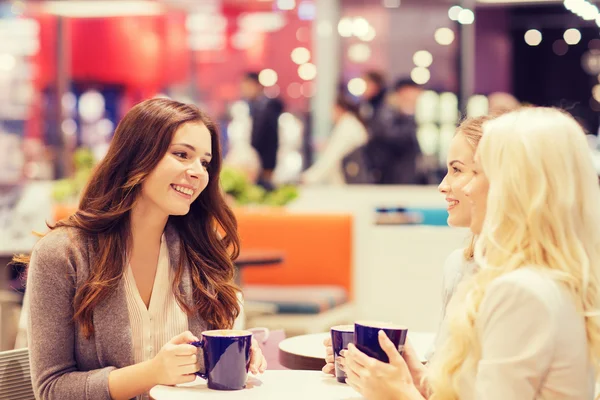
x=366 y=338
x=341 y=336
x=226 y=358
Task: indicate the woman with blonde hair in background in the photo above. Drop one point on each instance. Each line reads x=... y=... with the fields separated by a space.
x=526 y=325
x=459 y=264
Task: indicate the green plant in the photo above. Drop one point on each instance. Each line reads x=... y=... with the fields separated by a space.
x=236 y=184
x=68 y=189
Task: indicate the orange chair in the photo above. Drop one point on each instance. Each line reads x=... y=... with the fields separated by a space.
x=311 y=289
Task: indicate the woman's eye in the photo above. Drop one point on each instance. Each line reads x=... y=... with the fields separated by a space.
x=181 y=154
x=455 y=169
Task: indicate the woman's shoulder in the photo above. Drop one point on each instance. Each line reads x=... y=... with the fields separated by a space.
x=350 y=120
x=536 y=282
x=59 y=245
x=455 y=263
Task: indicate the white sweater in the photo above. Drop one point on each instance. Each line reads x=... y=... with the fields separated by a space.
x=347 y=135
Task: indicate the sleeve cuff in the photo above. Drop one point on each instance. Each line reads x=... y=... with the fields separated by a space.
x=97 y=384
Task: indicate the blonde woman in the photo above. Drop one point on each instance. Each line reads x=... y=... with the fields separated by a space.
x=459 y=264
x=526 y=325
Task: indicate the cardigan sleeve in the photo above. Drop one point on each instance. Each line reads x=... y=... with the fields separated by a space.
x=51 y=283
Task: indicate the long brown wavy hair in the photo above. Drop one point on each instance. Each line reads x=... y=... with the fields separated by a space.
x=141 y=140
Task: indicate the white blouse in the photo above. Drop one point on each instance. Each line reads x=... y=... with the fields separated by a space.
x=153 y=327
x=533 y=342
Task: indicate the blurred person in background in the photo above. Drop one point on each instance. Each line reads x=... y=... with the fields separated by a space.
x=373 y=99
x=265 y=113
x=527 y=324
x=459 y=265
x=393 y=148
x=244 y=158
x=500 y=102
x=118 y=290
x=348 y=134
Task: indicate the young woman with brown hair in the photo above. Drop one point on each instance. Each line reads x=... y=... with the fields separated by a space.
x=119 y=289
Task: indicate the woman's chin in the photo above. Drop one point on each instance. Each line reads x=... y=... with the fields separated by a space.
x=456 y=222
x=179 y=211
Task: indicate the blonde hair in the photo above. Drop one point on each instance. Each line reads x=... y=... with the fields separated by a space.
x=472 y=129
x=542 y=210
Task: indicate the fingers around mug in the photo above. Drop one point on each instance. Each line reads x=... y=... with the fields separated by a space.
x=185 y=349
x=263 y=364
x=188 y=369
x=254 y=361
x=340 y=363
x=187 y=360
x=185 y=378
x=329 y=369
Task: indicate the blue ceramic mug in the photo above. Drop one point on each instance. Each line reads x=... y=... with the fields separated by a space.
x=366 y=337
x=226 y=358
x=341 y=336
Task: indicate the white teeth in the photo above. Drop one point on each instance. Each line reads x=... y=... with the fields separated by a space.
x=183 y=190
x=453 y=203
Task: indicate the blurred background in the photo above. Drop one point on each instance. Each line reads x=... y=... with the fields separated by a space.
x=70 y=69
x=324 y=106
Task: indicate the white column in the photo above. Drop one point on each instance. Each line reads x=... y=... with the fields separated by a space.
x=467 y=58
x=326 y=51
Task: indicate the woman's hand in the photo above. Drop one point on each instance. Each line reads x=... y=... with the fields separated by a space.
x=258 y=363
x=418 y=371
x=177 y=361
x=376 y=380
x=329 y=367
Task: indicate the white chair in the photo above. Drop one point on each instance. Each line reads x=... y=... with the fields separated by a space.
x=15 y=375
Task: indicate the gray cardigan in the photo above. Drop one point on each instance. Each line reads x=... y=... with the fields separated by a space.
x=64 y=364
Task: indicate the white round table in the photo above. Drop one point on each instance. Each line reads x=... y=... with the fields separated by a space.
x=306 y=352
x=289 y=385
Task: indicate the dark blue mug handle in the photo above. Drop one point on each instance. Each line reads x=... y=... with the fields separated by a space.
x=200 y=344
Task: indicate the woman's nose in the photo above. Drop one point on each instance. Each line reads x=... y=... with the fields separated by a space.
x=444 y=187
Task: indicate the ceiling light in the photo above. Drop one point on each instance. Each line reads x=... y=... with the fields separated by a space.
x=267 y=77
x=466 y=17
x=533 y=37
x=444 y=36
x=572 y=36
x=423 y=58
x=453 y=12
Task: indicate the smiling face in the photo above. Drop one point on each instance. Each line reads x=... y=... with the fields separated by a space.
x=460 y=170
x=181 y=175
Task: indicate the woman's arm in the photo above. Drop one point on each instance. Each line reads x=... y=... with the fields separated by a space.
x=51 y=337
x=126 y=383
x=175 y=363
x=51 y=330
